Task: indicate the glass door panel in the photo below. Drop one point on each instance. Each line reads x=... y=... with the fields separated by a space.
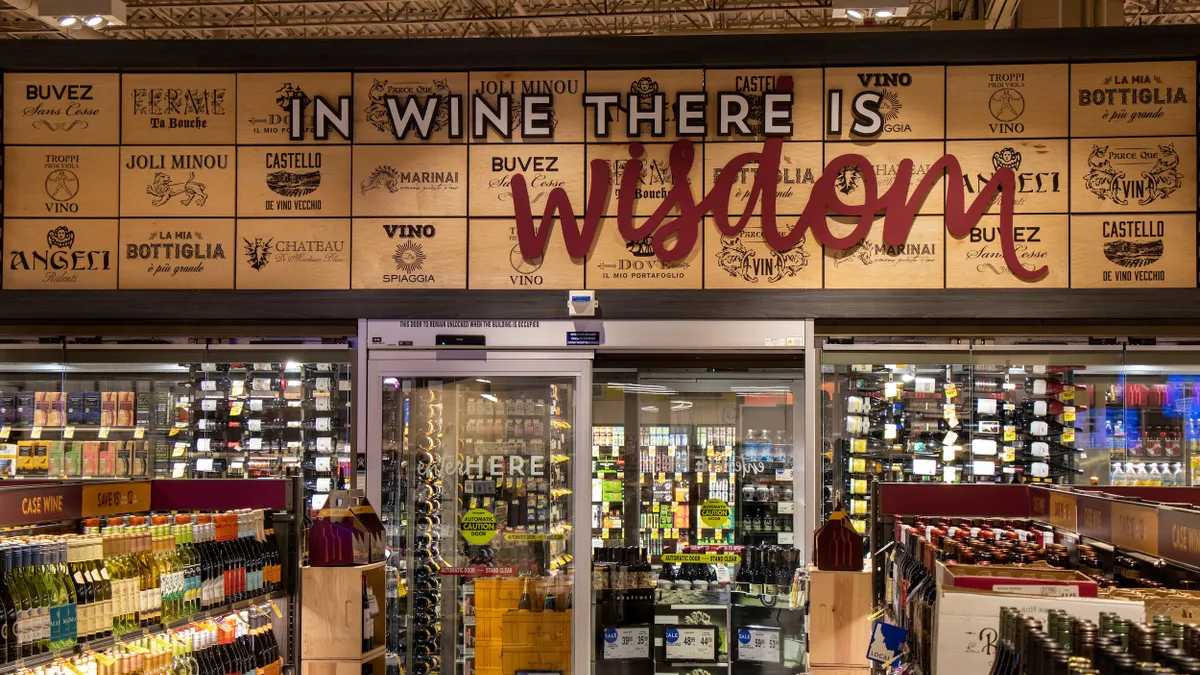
x=477 y=499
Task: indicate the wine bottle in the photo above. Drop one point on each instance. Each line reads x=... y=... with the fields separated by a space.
x=368 y=631
x=525 y=604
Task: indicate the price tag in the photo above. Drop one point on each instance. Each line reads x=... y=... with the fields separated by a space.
x=949 y=411
x=759 y=644
x=1068 y=394
x=1068 y=414
x=950 y=438
x=139 y=432
x=1068 y=436
x=689 y=643
x=787 y=538
x=5 y=431
x=177 y=470
x=628 y=642
x=951 y=390
x=179 y=449
x=35 y=433
x=69 y=432
x=787 y=507
x=104 y=432
x=889 y=432
x=1010 y=433
x=890 y=390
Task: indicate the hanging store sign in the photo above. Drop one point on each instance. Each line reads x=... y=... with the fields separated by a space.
x=995 y=176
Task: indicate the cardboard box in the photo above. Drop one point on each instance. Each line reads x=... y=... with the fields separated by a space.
x=968 y=621
x=1023 y=580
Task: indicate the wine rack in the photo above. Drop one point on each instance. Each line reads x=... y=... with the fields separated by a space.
x=426 y=445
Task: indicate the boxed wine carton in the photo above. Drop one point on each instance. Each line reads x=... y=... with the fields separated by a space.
x=108 y=408
x=377 y=535
x=125 y=405
x=25 y=404
x=41 y=408
x=91 y=408
x=337 y=536
x=56 y=416
x=967 y=623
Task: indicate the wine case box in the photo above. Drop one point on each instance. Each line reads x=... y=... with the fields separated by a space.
x=963 y=615
x=540 y=658
x=536 y=628
x=1021 y=580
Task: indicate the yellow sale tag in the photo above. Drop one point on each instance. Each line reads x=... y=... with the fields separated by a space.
x=1010 y=433
x=1068 y=414
x=951 y=390
x=139 y=432
x=5 y=431
x=1010 y=454
x=69 y=432
x=173 y=431
x=949 y=411
x=103 y=432
x=858 y=445
x=35 y=433
x=1068 y=436
x=1068 y=394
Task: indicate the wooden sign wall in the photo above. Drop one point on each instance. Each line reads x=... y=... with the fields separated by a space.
x=191 y=180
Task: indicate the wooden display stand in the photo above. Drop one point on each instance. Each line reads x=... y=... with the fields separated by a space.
x=331 y=625
x=839 y=629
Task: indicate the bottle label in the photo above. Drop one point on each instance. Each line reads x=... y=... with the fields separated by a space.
x=44 y=623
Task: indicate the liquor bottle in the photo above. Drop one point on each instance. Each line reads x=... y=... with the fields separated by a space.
x=525 y=604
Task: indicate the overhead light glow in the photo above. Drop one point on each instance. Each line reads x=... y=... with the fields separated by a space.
x=856 y=14
x=95 y=21
x=489 y=397
x=883 y=14
x=479 y=379
x=68 y=21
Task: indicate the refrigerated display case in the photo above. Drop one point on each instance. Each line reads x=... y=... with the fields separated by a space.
x=113 y=408
x=478 y=464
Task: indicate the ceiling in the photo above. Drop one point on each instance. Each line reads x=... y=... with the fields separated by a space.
x=209 y=19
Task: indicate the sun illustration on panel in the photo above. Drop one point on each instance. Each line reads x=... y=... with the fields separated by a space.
x=409 y=257
x=890 y=105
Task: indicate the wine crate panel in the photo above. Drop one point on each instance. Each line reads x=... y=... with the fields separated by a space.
x=977 y=260
x=412 y=181
x=373 y=118
x=178 y=181
x=496 y=263
x=1040 y=166
x=264 y=104
x=293 y=181
x=62 y=181
x=800 y=166
x=754 y=83
x=60 y=254
x=912 y=101
x=917 y=263
x=405 y=253
x=646 y=86
x=1134 y=251
x=1007 y=101
x=884 y=159
x=1133 y=99
x=178 y=253
x=1133 y=175
x=617 y=263
x=745 y=261
x=545 y=167
x=62 y=108
x=183 y=109
x=654 y=180
x=565 y=88
x=288 y=253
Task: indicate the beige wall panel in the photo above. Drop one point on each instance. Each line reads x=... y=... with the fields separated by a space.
x=654 y=180
x=885 y=157
x=918 y=263
x=1133 y=99
x=1007 y=101
x=645 y=84
x=564 y=86
x=373 y=123
x=293 y=253
x=800 y=166
x=1135 y=251
x=60 y=254
x=62 y=108
x=264 y=109
x=616 y=263
x=410 y=253
x=178 y=181
x=61 y=181
x=746 y=261
x=913 y=104
x=545 y=168
x=427 y=181
x=179 y=108
x=1041 y=168
x=293 y=180
x=180 y=253
x=808 y=101
x=495 y=260
x=1133 y=175
x=977 y=260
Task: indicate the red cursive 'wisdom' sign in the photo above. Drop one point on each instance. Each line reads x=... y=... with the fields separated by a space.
x=674 y=237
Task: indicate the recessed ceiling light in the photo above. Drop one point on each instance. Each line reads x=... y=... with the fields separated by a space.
x=68 y=21
x=856 y=14
x=96 y=21
x=883 y=14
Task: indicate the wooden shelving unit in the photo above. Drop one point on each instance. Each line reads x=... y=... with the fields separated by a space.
x=332 y=620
